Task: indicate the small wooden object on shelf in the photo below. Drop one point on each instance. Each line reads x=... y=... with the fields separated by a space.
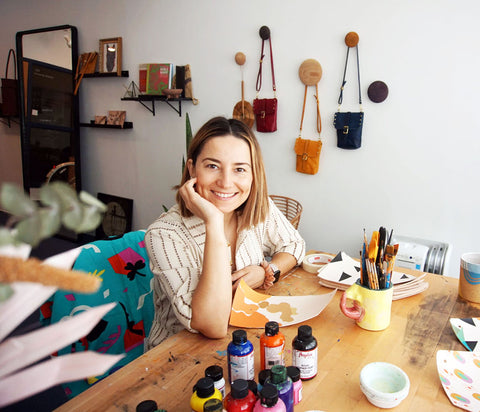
x=172 y=93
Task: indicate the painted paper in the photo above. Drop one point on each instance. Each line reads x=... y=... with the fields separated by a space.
x=251 y=309
x=467 y=331
x=459 y=373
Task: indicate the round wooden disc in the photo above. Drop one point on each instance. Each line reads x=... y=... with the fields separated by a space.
x=249 y=117
x=351 y=39
x=310 y=72
x=240 y=58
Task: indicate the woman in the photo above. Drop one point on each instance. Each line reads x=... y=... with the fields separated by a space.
x=220 y=231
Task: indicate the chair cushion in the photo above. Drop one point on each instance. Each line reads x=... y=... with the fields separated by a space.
x=122 y=265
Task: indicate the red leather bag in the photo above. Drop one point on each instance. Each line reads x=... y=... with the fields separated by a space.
x=265 y=111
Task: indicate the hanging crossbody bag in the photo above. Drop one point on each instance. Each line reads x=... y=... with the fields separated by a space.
x=265 y=110
x=349 y=124
x=308 y=151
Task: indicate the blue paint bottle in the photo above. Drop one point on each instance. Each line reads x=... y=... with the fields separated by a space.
x=240 y=357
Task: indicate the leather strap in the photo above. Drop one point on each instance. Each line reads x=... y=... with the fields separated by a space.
x=11 y=52
x=259 y=76
x=340 y=98
x=319 y=120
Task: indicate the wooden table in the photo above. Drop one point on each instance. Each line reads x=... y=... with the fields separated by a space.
x=419 y=328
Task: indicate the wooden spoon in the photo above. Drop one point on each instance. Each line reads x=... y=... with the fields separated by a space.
x=243 y=110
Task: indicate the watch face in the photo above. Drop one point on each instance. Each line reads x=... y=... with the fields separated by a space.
x=115 y=220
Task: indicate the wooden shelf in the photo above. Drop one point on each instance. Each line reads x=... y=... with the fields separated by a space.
x=98 y=74
x=126 y=125
x=152 y=98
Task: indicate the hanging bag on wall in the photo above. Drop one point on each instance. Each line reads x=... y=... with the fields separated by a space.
x=349 y=124
x=265 y=110
x=308 y=151
x=10 y=89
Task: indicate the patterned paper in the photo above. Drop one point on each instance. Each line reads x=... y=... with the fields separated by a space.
x=468 y=332
x=251 y=309
x=459 y=372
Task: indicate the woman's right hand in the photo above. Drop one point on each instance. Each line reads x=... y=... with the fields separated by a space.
x=197 y=204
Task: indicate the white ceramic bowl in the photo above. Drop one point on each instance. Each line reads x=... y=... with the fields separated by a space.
x=385 y=385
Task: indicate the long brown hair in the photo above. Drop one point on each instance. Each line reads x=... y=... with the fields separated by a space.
x=255 y=209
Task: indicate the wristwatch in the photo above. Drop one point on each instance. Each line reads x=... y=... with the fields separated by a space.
x=276 y=272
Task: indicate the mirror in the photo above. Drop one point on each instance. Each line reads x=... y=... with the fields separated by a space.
x=49 y=109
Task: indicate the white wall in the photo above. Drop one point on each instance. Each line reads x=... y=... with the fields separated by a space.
x=417 y=171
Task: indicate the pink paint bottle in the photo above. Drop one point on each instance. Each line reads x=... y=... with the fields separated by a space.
x=294 y=373
x=269 y=400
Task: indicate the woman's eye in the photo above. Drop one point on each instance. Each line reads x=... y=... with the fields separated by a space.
x=240 y=170
x=212 y=166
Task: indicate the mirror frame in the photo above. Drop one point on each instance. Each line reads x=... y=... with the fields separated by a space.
x=25 y=124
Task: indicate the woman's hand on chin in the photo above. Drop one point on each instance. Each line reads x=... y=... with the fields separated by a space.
x=197 y=204
x=253 y=275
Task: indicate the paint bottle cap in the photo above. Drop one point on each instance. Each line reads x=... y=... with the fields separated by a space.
x=213 y=405
x=269 y=395
x=205 y=387
x=146 y=406
x=293 y=372
x=271 y=328
x=215 y=372
x=239 y=336
x=304 y=332
x=263 y=375
x=252 y=385
x=279 y=374
x=239 y=389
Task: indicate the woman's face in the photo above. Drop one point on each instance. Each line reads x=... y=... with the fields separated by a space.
x=224 y=172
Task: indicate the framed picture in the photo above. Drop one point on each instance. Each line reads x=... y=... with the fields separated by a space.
x=111 y=55
x=118 y=217
x=116 y=117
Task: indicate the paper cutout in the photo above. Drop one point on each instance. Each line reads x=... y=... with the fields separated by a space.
x=19 y=351
x=468 y=332
x=251 y=309
x=343 y=271
x=459 y=373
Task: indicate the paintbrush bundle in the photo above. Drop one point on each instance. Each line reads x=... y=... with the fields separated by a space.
x=343 y=271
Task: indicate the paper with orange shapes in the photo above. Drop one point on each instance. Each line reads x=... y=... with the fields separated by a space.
x=251 y=309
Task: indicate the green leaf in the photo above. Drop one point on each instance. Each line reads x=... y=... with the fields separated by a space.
x=72 y=213
x=6 y=237
x=92 y=217
x=29 y=230
x=14 y=200
x=50 y=222
x=5 y=291
x=88 y=199
x=188 y=131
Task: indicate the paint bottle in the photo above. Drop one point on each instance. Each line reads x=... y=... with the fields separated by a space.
x=262 y=376
x=252 y=385
x=240 y=398
x=213 y=405
x=304 y=352
x=294 y=373
x=203 y=391
x=241 y=362
x=216 y=373
x=284 y=385
x=272 y=346
x=269 y=400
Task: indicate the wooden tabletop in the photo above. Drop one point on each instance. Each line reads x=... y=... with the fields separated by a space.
x=419 y=328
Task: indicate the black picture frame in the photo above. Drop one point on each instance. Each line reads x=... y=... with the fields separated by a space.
x=117 y=219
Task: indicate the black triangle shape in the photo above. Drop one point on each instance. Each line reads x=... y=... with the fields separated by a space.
x=469 y=321
x=337 y=258
x=404 y=276
x=472 y=344
x=357 y=268
x=344 y=276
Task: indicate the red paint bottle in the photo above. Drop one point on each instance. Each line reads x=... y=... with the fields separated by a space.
x=240 y=399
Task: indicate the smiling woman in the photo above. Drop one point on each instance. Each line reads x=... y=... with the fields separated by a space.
x=222 y=229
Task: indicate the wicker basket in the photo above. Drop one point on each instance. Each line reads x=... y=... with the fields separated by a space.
x=291 y=208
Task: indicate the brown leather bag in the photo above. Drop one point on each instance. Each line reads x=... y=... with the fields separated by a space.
x=10 y=89
x=308 y=151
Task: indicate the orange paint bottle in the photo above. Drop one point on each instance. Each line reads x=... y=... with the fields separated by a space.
x=272 y=346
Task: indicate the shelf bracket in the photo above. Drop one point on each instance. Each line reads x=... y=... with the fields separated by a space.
x=152 y=109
